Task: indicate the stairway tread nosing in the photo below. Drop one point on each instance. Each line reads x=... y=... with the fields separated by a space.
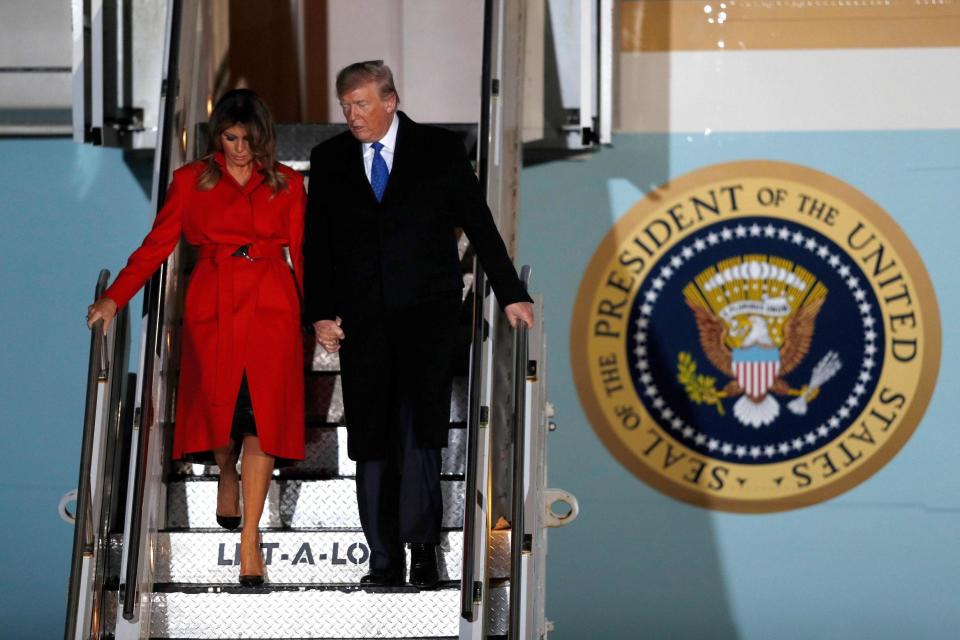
x=314 y=613
x=296 y=557
x=293 y=503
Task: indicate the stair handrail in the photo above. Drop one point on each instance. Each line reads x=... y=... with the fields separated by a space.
x=142 y=419
x=521 y=364
x=105 y=365
x=153 y=312
x=83 y=520
x=468 y=577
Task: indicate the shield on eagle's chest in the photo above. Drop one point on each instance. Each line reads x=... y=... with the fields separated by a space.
x=756 y=368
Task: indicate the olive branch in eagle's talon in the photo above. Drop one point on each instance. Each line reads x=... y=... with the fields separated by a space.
x=700 y=388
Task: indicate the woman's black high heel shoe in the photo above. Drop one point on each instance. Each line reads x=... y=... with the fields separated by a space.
x=252 y=580
x=232 y=523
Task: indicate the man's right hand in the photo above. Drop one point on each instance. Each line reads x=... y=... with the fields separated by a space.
x=329 y=334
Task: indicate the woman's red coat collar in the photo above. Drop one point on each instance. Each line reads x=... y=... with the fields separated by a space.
x=255 y=178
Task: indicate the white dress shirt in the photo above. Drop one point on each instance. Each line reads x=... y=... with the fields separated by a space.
x=389 y=142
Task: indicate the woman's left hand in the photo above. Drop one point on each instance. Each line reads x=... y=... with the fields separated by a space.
x=103 y=309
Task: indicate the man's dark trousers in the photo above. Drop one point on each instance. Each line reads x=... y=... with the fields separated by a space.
x=399 y=496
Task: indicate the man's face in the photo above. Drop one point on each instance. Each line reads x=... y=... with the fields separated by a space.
x=368 y=115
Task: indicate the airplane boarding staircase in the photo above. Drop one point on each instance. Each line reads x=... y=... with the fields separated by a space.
x=149 y=560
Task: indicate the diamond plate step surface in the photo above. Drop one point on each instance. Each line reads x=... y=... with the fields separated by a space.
x=295 y=140
x=297 y=557
x=326 y=456
x=299 y=504
x=317 y=356
x=314 y=614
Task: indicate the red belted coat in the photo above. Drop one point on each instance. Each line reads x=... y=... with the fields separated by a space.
x=241 y=313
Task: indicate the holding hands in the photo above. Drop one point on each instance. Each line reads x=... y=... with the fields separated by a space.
x=329 y=334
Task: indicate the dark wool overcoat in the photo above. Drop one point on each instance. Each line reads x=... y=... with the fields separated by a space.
x=391 y=271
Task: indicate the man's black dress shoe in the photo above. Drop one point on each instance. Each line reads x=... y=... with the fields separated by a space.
x=382 y=578
x=423 y=565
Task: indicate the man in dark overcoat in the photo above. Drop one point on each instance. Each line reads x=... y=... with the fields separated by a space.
x=383 y=287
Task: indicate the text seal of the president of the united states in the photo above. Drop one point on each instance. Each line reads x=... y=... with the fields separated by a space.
x=755 y=336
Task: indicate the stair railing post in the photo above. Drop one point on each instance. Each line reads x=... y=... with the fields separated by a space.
x=521 y=354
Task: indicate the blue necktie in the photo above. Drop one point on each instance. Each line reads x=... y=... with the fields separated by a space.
x=378 y=172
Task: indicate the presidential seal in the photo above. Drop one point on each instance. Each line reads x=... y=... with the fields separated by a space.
x=755 y=337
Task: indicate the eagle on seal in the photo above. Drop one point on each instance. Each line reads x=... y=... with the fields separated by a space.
x=757 y=366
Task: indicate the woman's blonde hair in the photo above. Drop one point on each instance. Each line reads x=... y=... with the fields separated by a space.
x=243 y=107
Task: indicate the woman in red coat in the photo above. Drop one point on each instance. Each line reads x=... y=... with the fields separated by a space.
x=241 y=370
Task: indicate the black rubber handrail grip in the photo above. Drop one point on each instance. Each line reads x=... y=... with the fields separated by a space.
x=153 y=303
x=468 y=575
x=521 y=359
x=82 y=527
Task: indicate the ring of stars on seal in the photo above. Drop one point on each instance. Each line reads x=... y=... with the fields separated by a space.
x=816 y=246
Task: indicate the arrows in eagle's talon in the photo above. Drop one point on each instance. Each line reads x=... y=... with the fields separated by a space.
x=825 y=369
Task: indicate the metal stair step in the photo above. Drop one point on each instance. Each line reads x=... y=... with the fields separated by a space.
x=326 y=456
x=418 y=638
x=324 y=398
x=488 y=637
x=313 y=613
x=296 y=557
x=298 y=504
x=296 y=140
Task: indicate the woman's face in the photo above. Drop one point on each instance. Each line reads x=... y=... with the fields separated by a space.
x=236 y=146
